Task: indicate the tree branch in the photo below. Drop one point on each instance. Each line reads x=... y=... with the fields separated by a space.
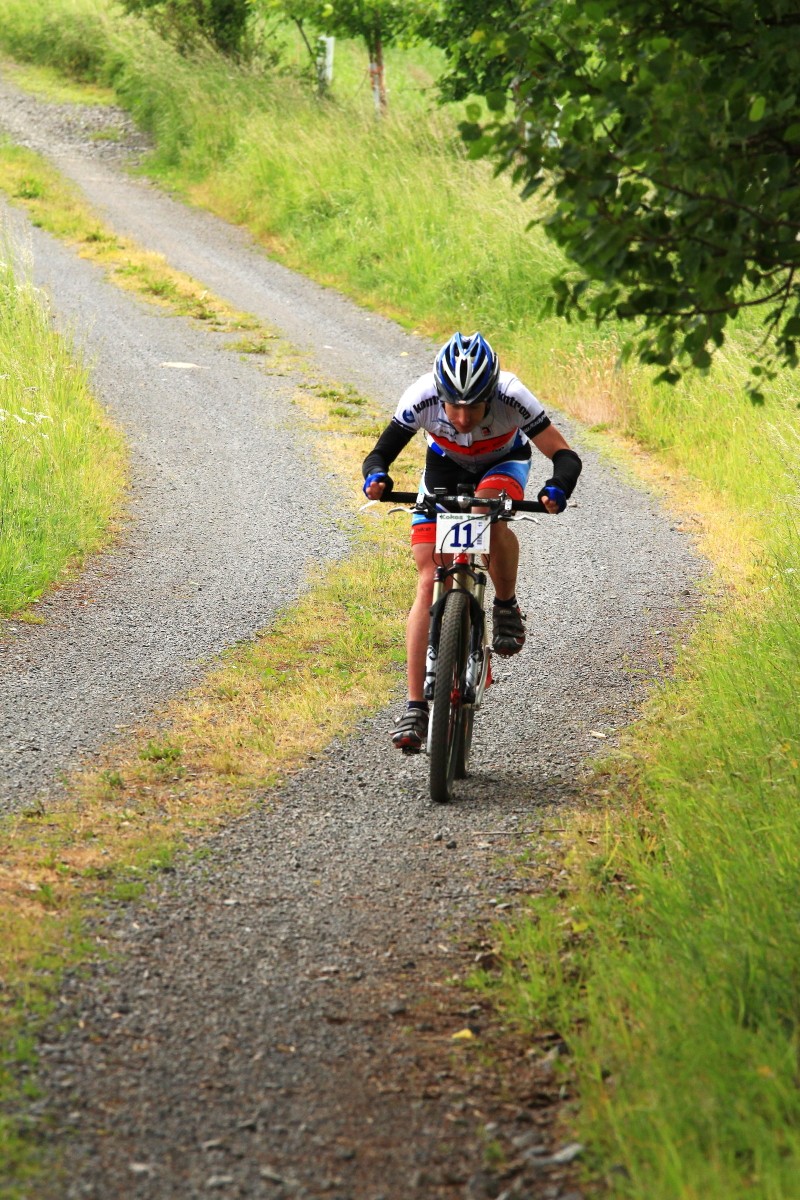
x=299 y=23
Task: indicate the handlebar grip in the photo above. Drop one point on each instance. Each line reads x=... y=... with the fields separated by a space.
x=528 y=506
x=399 y=498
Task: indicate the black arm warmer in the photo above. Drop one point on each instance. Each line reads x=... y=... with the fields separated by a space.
x=393 y=439
x=566 y=470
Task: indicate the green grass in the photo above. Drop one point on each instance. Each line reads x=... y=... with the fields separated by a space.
x=61 y=472
x=672 y=966
x=51 y=84
x=395 y=215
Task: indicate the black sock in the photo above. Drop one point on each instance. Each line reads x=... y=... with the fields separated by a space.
x=421 y=704
x=512 y=603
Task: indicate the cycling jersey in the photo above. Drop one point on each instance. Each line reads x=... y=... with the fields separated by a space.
x=514 y=416
x=494 y=455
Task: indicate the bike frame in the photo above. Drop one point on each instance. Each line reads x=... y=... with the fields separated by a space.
x=459 y=593
x=466 y=573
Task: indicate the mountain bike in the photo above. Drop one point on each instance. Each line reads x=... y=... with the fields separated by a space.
x=459 y=657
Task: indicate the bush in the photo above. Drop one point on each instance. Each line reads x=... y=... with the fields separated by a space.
x=223 y=23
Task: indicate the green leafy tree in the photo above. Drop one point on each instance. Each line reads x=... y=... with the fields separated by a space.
x=665 y=138
x=377 y=22
x=223 y=23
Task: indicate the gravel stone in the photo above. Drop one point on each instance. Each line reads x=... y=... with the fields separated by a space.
x=236 y=1032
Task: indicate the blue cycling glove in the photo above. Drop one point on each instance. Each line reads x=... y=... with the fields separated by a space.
x=556 y=494
x=376 y=477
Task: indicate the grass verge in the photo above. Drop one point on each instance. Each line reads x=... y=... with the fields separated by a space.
x=667 y=954
x=62 y=466
x=52 y=85
x=53 y=204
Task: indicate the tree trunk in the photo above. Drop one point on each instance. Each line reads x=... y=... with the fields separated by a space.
x=376 y=74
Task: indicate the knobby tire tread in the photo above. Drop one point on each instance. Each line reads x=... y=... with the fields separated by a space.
x=464 y=743
x=447 y=728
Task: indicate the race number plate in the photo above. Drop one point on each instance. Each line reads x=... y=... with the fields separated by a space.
x=457 y=533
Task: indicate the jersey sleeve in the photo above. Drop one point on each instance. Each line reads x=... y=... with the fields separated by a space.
x=416 y=402
x=392 y=441
x=528 y=412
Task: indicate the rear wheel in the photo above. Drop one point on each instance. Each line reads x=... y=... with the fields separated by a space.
x=451 y=722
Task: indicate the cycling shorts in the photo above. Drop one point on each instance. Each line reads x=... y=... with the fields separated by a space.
x=509 y=475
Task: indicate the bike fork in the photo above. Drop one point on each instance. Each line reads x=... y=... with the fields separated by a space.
x=432 y=653
x=478 y=673
x=479 y=663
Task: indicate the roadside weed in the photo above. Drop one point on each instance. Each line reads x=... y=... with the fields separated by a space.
x=166 y=752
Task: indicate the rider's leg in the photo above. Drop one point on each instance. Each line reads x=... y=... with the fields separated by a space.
x=419 y=620
x=504 y=559
x=508 y=623
x=411 y=729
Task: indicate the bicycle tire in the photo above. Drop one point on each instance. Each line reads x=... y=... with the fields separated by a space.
x=447 y=730
x=464 y=743
x=468 y=714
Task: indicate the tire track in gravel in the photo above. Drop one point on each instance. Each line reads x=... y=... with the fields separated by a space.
x=270 y=1025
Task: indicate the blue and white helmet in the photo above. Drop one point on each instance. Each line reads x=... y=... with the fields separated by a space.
x=466 y=370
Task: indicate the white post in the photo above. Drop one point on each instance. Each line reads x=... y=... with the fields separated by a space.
x=325 y=62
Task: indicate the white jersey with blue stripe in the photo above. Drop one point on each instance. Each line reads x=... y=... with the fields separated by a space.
x=513 y=418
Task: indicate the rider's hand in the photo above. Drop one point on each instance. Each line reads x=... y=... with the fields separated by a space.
x=553 y=499
x=375 y=485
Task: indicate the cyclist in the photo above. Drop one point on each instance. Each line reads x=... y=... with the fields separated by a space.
x=479 y=423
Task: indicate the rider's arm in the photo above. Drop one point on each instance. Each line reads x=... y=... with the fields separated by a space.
x=393 y=439
x=566 y=463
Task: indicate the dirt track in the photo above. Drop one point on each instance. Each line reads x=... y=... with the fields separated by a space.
x=274 y=1022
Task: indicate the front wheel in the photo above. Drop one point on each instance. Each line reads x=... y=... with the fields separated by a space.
x=464 y=743
x=451 y=721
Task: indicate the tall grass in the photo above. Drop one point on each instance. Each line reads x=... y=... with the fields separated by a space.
x=60 y=463
x=393 y=213
x=673 y=968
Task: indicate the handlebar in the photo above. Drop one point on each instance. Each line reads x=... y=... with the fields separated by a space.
x=463 y=503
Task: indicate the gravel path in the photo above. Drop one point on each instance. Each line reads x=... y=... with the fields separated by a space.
x=203 y=559
x=271 y=1024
